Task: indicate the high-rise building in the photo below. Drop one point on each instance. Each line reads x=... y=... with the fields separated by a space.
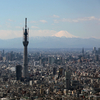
x=60 y=71
x=3 y=53
x=94 y=50
x=54 y=70
x=25 y=43
x=51 y=60
x=83 y=51
x=98 y=50
x=97 y=57
x=18 y=72
x=68 y=79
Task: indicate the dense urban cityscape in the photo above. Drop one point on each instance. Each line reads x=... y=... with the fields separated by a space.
x=54 y=74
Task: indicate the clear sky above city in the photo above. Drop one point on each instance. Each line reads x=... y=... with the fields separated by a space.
x=79 y=18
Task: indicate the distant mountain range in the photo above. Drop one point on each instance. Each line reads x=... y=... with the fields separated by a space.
x=51 y=42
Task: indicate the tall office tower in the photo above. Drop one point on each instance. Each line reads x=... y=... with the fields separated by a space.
x=68 y=79
x=60 y=71
x=94 y=50
x=25 y=43
x=96 y=58
x=3 y=53
x=83 y=51
x=54 y=70
x=18 y=72
x=51 y=60
x=40 y=60
x=98 y=50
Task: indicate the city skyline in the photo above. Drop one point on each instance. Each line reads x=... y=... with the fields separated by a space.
x=50 y=18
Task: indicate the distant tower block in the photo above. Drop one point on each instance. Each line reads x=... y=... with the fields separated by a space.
x=18 y=72
x=83 y=51
x=25 y=43
x=94 y=50
x=54 y=70
x=68 y=79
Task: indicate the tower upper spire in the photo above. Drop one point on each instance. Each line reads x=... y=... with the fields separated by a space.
x=25 y=23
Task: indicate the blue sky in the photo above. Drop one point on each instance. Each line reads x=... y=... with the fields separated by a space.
x=80 y=18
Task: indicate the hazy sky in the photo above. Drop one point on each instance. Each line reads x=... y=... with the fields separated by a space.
x=48 y=17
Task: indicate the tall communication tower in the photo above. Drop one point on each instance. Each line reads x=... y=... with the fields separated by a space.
x=25 y=43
